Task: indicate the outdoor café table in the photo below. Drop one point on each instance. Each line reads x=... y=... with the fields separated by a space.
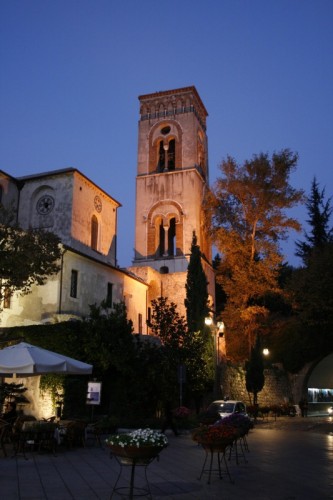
x=72 y=432
x=37 y=435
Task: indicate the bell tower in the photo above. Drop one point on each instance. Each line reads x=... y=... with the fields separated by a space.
x=172 y=176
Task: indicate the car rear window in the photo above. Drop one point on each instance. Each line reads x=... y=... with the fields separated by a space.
x=222 y=407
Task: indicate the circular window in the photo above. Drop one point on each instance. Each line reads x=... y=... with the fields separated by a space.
x=165 y=130
x=45 y=205
x=98 y=203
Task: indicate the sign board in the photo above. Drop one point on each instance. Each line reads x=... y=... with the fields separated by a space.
x=94 y=393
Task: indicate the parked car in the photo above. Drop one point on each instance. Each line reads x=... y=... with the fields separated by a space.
x=226 y=408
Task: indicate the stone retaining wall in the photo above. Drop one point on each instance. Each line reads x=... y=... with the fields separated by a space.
x=277 y=387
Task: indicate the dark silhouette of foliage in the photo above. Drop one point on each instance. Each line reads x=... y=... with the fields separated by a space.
x=108 y=340
x=311 y=289
x=220 y=295
x=320 y=234
x=167 y=323
x=255 y=378
x=27 y=257
x=181 y=347
x=308 y=333
x=12 y=392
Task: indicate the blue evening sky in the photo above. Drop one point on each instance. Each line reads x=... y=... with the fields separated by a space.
x=72 y=71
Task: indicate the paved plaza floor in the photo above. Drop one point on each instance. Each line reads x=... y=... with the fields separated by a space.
x=288 y=460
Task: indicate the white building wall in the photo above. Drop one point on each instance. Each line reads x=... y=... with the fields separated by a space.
x=93 y=278
x=135 y=297
x=34 y=308
x=52 y=302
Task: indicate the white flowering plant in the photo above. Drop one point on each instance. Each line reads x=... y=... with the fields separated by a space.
x=138 y=438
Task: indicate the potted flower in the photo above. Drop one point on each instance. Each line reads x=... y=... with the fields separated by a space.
x=182 y=412
x=182 y=416
x=215 y=437
x=242 y=423
x=138 y=446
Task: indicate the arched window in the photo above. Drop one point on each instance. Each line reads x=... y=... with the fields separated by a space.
x=166 y=154
x=201 y=152
x=74 y=282
x=172 y=237
x=94 y=232
x=161 y=246
x=167 y=239
x=172 y=155
x=161 y=157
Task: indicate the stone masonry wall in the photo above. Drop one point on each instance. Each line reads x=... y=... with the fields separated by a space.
x=277 y=387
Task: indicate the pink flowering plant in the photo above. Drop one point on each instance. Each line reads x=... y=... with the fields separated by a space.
x=138 y=438
x=181 y=412
x=211 y=434
x=239 y=421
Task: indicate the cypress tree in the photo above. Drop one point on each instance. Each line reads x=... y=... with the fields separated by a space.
x=196 y=301
x=255 y=378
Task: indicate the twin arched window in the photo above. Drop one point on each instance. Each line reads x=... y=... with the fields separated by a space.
x=167 y=239
x=166 y=155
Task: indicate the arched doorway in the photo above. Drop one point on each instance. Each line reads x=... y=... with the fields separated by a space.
x=320 y=386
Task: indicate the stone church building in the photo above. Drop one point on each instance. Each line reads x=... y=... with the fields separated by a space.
x=171 y=180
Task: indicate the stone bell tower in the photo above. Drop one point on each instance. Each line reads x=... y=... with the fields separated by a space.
x=172 y=176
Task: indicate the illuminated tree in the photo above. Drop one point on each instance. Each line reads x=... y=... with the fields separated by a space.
x=246 y=208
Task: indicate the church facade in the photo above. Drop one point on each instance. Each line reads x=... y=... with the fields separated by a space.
x=171 y=180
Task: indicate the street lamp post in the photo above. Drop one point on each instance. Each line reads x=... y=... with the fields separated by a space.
x=266 y=354
x=217 y=330
x=220 y=338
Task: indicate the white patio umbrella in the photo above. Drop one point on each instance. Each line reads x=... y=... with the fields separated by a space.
x=25 y=360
